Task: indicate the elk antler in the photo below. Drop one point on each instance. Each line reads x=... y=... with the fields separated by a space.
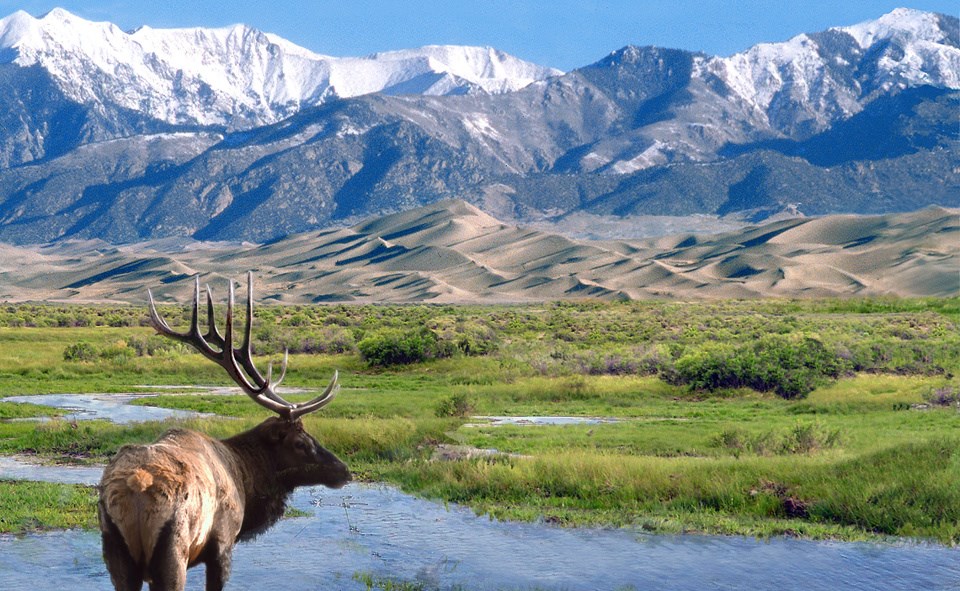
x=219 y=349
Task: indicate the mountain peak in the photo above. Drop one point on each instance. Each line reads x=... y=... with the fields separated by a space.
x=236 y=76
x=57 y=14
x=16 y=26
x=906 y=24
x=633 y=54
x=60 y=19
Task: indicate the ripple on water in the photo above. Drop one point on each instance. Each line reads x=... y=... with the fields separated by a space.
x=380 y=530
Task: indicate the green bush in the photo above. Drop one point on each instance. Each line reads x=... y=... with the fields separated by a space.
x=337 y=339
x=80 y=352
x=802 y=438
x=116 y=352
x=457 y=405
x=398 y=347
x=805 y=438
x=464 y=337
x=154 y=345
x=330 y=340
x=790 y=366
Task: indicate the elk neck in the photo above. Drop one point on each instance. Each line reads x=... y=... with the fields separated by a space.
x=265 y=495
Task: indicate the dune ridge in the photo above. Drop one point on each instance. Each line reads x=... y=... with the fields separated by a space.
x=452 y=252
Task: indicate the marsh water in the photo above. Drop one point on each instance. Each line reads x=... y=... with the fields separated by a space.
x=110 y=407
x=499 y=421
x=380 y=531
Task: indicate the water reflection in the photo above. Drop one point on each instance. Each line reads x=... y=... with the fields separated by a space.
x=382 y=531
x=498 y=421
x=110 y=407
x=20 y=468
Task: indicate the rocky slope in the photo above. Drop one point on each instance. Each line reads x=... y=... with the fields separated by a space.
x=858 y=119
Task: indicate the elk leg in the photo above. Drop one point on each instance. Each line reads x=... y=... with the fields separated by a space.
x=168 y=565
x=218 y=566
x=125 y=574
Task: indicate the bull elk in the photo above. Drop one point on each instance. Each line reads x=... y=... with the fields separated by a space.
x=188 y=498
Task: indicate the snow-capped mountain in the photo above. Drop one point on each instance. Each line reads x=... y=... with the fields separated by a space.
x=854 y=119
x=236 y=76
x=809 y=82
x=789 y=90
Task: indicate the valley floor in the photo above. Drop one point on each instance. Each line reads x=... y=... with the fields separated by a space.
x=867 y=449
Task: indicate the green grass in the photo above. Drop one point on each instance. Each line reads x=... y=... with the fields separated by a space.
x=372 y=582
x=10 y=410
x=27 y=506
x=857 y=458
x=906 y=490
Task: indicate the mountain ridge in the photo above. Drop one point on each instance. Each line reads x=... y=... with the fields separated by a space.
x=643 y=131
x=236 y=76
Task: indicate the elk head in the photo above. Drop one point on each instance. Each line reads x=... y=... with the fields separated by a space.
x=299 y=459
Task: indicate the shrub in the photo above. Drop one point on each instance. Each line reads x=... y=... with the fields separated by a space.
x=330 y=340
x=153 y=345
x=805 y=438
x=457 y=405
x=735 y=439
x=711 y=367
x=298 y=319
x=80 y=352
x=802 y=438
x=945 y=396
x=791 y=367
x=337 y=339
x=465 y=337
x=474 y=338
x=117 y=320
x=117 y=352
x=397 y=347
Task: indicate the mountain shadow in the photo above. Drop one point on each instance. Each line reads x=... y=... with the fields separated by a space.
x=891 y=126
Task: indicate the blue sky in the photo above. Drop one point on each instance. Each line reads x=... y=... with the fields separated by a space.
x=561 y=33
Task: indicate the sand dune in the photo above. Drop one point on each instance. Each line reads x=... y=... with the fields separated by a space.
x=453 y=252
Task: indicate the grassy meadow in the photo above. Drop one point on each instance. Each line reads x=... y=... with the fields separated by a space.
x=822 y=418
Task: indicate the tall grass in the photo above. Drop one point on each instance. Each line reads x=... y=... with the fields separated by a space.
x=909 y=490
x=868 y=452
x=27 y=506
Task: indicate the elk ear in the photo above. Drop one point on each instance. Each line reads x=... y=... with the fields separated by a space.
x=275 y=433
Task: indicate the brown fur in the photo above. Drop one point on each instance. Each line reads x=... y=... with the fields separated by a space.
x=140 y=480
x=187 y=498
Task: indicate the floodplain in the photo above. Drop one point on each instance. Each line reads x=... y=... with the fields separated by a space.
x=823 y=419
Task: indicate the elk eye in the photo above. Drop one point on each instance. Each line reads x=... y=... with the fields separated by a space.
x=301 y=446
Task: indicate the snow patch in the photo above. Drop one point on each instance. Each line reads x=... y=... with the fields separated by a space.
x=236 y=73
x=479 y=126
x=901 y=23
x=816 y=82
x=652 y=156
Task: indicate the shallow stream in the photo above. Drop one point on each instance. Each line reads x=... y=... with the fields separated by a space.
x=383 y=532
x=110 y=407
